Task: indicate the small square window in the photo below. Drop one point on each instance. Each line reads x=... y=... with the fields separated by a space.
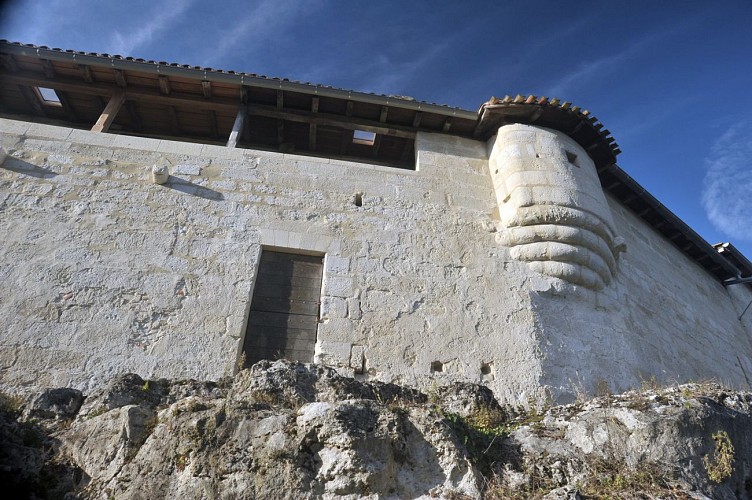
x=363 y=137
x=572 y=158
x=48 y=96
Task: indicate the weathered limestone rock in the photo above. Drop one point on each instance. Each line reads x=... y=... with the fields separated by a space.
x=257 y=436
x=104 y=443
x=58 y=404
x=281 y=430
x=30 y=465
x=652 y=441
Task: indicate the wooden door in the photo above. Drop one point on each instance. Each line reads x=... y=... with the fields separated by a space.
x=285 y=308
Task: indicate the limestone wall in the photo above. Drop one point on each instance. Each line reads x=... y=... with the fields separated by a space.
x=664 y=319
x=106 y=272
x=628 y=307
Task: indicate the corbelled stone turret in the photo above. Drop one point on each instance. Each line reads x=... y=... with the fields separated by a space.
x=552 y=204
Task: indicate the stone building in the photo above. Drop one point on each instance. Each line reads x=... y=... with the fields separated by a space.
x=177 y=221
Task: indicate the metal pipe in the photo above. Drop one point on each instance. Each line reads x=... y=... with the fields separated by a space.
x=745 y=310
x=736 y=281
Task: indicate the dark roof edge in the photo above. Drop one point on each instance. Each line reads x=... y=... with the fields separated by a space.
x=577 y=123
x=729 y=269
x=239 y=78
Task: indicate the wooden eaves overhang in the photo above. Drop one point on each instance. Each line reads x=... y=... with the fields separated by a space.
x=159 y=99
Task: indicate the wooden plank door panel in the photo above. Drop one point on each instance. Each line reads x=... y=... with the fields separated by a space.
x=284 y=312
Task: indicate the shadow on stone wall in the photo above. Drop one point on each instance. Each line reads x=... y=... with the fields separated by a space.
x=26 y=168
x=187 y=187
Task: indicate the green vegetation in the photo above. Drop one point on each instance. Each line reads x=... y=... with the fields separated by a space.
x=720 y=466
x=181 y=461
x=482 y=433
x=10 y=403
x=614 y=479
x=96 y=412
x=604 y=479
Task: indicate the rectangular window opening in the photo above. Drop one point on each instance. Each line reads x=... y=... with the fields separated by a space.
x=363 y=137
x=571 y=158
x=284 y=313
x=48 y=96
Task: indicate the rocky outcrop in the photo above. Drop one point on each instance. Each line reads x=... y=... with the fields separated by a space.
x=291 y=430
x=689 y=441
x=277 y=431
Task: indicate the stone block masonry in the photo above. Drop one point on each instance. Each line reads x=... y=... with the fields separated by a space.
x=105 y=271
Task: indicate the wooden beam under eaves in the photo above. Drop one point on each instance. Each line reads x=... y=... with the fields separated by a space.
x=174 y=120
x=110 y=112
x=331 y=120
x=9 y=62
x=237 y=127
x=447 y=125
x=280 y=122
x=627 y=199
x=120 y=78
x=644 y=212
x=32 y=100
x=347 y=135
x=376 y=145
x=577 y=127
x=130 y=106
x=312 y=127
x=417 y=118
x=49 y=69
x=377 y=138
x=280 y=132
x=164 y=84
x=312 y=130
x=66 y=105
x=211 y=116
x=85 y=71
x=537 y=112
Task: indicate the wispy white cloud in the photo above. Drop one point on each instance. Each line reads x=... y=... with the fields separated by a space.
x=149 y=26
x=727 y=189
x=34 y=21
x=386 y=76
x=587 y=70
x=645 y=118
x=261 y=24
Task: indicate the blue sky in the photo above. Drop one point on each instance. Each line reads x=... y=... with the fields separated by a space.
x=671 y=80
